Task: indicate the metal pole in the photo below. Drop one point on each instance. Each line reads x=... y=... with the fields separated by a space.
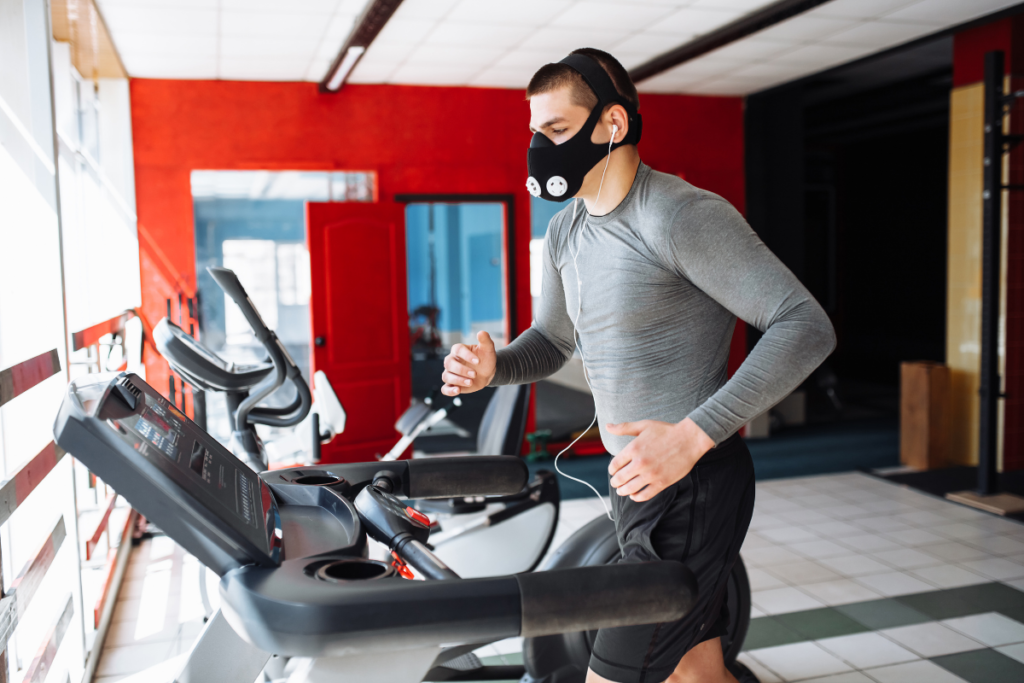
x=992 y=203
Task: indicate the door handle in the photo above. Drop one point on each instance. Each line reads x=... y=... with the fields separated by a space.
x=320 y=341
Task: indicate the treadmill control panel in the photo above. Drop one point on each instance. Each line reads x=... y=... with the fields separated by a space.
x=196 y=467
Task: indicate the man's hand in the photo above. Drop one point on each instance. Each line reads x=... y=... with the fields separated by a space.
x=469 y=368
x=661 y=454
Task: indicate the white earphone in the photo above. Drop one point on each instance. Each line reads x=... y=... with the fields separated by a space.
x=575 y=323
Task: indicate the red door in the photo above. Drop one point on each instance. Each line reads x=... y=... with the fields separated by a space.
x=360 y=320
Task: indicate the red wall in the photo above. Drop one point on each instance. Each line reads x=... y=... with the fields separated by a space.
x=969 y=48
x=417 y=139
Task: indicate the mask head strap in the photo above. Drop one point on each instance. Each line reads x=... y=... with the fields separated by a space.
x=601 y=83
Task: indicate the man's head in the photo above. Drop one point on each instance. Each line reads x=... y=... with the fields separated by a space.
x=561 y=100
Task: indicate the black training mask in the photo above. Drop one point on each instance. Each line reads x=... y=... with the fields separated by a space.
x=557 y=171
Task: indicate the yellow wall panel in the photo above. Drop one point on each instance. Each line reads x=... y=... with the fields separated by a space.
x=963 y=307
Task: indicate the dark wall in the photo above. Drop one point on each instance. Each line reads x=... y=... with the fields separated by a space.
x=847 y=183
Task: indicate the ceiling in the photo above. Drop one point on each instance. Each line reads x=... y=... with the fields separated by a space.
x=500 y=43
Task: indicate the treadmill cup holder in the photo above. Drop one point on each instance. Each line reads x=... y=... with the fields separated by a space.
x=354 y=570
x=318 y=479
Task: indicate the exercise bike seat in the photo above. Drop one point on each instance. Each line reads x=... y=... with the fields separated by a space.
x=200 y=366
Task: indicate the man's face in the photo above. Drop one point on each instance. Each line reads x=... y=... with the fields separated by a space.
x=554 y=115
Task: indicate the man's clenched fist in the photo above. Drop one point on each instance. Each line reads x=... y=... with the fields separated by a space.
x=469 y=368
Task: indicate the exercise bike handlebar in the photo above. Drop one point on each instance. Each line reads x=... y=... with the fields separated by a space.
x=284 y=367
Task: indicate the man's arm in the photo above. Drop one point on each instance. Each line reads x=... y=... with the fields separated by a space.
x=718 y=251
x=535 y=354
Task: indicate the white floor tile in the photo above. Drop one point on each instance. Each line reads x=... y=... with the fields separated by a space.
x=849 y=677
x=799 y=661
x=998 y=568
x=866 y=650
x=960 y=531
x=923 y=518
x=802 y=572
x=1013 y=651
x=998 y=545
x=1016 y=583
x=840 y=592
x=845 y=513
x=907 y=558
x=783 y=600
x=949 y=576
x=766 y=557
x=761 y=580
x=758 y=669
x=788 y=534
x=834 y=529
x=894 y=583
x=914 y=537
x=953 y=551
x=921 y=671
x=855 y=565
x=868 y=543
x=805 y=517
x=992 y=628
x=753 y=540
x=882 y=523
x=818 y=549
x=931 y=639
x=762 y=520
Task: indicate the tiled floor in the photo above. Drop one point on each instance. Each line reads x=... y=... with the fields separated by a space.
x=854 y=579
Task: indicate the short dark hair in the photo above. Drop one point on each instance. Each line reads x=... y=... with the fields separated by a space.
x=554 y=76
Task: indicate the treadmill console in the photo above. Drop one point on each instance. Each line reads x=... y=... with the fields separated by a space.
x=133 y=438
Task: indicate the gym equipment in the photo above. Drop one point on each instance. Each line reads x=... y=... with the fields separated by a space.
x=290 y=548
x=502 y=535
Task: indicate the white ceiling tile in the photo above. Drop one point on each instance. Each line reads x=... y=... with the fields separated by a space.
x=400 y=30
x=820 y=56
x=171 y=65
x=503 y=77
x=317 y=70
x=566 y=40
x=881 y=34
x=433 y=74
x=751 y=49
x=729 y=88
x=650 y=43
x=618 y=16
x=490 y=35
x=273 y=25
x=744 y=5
x=246 y=47
x=193 y=44
x=631 y=60
x=949 y=12
x=528 y=59
x=118 y=5
x=478 y=57
x=129 y=19
x=387 y=53
x=707 y=66
x=278 y=6
x=689 y=21
x=804 y=29
x=424 y=9
x=340 y=27
x=859 y=9
x=371 y=73
x=518 y=12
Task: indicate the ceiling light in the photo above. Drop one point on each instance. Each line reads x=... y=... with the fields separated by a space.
x=352 y=55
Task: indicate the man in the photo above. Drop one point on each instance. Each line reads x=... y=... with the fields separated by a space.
x=646 y=279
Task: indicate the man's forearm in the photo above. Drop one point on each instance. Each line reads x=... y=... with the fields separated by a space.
x=529 y=358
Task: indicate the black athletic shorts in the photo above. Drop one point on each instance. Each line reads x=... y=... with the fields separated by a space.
x=700 y=521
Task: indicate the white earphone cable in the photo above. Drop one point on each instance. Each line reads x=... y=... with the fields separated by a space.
x=575 y=325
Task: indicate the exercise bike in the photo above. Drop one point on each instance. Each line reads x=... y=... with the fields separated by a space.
x=475 y=536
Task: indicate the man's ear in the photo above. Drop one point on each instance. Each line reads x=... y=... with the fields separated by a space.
x=616 y=116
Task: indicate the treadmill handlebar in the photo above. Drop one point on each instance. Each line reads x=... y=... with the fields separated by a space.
x=586 y=598
x=466 y=475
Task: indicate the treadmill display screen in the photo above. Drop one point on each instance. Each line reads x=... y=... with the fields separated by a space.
x=196 y=462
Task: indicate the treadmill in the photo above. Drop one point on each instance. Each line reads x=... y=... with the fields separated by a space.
x=290 y=547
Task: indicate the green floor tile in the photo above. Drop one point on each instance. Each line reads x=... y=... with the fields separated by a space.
x=959 y=602
x=769 y=632
x=983 y=666
x=821 y=623
x=878 y=614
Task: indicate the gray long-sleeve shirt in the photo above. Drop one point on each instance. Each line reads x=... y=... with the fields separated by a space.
x=663 y=278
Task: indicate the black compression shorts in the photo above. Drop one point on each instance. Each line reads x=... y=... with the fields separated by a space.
x=700 y=521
